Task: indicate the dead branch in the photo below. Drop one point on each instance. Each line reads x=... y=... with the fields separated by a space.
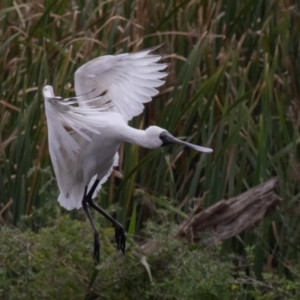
x=3 y=209
x=229 y=218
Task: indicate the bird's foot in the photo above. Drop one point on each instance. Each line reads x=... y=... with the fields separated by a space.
x=120 y=237
x=96 y=247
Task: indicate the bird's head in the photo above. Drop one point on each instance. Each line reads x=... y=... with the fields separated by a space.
x=160 y=137
x=153 y=136
x=48 y=92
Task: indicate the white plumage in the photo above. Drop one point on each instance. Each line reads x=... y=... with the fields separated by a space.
x=84 y=139
x=79 y=149
x=130 y=80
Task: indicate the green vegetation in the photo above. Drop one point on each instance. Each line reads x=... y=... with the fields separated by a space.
x=56 y=264
x=232 y=85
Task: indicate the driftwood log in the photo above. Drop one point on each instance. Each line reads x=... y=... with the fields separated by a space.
x=227 y=218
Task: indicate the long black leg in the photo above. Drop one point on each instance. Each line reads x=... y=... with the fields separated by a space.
x=96 y=233
x=119 y=230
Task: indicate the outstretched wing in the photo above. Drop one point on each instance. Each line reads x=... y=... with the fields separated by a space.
x=129 y=79
x=69 y=128
x=63 y=120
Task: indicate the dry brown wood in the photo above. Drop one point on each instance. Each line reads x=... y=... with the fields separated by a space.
x=226 y=218
x=3 y=209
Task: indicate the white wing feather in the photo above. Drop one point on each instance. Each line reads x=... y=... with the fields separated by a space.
x=130 y=79
x=69 y=129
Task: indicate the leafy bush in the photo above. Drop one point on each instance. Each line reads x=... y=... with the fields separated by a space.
x=56 y=263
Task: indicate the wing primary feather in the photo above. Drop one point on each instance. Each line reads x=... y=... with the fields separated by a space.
x=130 y=80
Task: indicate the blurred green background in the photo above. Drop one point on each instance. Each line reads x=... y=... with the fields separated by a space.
x=233 y=85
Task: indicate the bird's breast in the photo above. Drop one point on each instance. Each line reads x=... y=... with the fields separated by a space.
x=98 y=156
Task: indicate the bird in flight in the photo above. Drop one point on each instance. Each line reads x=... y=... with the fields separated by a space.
x=85 y=132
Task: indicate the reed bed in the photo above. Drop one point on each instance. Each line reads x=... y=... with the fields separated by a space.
x=233 y=85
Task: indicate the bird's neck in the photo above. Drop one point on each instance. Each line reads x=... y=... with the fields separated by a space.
x=138 y=137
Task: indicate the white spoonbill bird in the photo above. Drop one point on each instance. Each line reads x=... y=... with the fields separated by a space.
x=85 y=131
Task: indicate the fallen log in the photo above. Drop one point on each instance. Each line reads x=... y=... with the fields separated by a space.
x=226 y=218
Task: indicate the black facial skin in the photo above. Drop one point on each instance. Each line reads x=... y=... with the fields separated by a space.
x=165 y=138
